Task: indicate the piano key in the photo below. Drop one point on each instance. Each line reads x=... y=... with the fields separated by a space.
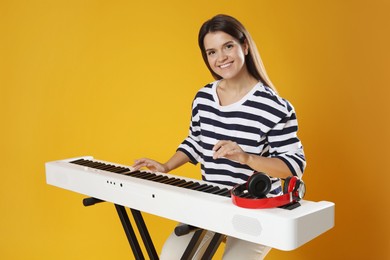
x=150 y=176
x=153 y=177
x=223 y=192
x=119 y=170
x=179 y=183
x=157 y=178
x=122 y=170
x=192 y=186
x=163 y=179
x=92 y=164
x=138 y=174
x=185 y=183
x=105 y=167
x=171 y=180
x=188 y=183
x=79 y=161
x=201 y=187
x=146 y=175
x=132 y=173
x=212 y=189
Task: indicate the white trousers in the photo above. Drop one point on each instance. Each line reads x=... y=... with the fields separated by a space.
x=175 y=246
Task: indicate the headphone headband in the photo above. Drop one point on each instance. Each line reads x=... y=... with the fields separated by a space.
x=294 y=190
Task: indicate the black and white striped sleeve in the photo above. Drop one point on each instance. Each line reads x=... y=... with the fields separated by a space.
x=191 y=145
x=285 y=144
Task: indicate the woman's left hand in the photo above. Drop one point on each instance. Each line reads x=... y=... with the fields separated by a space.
x=230 y=150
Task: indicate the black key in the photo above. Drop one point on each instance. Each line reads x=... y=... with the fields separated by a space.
x=87 y=162
x=221 y=191
x=79 y=161
x=102 y=166
x=173 y=183
x=116 y=169
x=107 y=167
x=201 y=187
x=146 y=176
x=113 y=168
x=132 y=173
x=210 y=187
x=188 y=183
x=163 y=179
x=213 y=189
x=122 y=170
x=185 y=184
x=179 y=183
x=157 y=178
x=171 y=180
x=151 y=175
x=140 y=175
x=193 y=186
x=166 y=180
x=226 y=193
x=93 y=164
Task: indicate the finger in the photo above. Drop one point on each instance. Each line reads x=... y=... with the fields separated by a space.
x=137 y=163
x=221 y=152
x=219 y=144
x=138 y=166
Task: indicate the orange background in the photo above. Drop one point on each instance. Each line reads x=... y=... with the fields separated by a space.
x=115 y=80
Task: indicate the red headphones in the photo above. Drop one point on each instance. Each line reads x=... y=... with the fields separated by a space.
x=252 y=194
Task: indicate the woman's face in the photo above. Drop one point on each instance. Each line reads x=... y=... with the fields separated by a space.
x=225 y=54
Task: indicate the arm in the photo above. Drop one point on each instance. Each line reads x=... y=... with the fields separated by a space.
x=177 y=160
x=286 y=156
x=272 y=166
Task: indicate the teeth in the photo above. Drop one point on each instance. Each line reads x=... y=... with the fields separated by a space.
x=225 y=65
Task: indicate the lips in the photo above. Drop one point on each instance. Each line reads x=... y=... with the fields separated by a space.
x=226 y=65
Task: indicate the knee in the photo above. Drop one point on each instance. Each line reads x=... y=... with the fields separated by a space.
x=174 y=247
x=240 y=249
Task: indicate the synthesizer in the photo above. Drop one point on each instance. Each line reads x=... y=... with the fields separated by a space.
x=194 y=202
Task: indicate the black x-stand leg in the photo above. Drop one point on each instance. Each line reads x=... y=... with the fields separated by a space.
x=128 y=228
x=133 y=241
x=196 y=240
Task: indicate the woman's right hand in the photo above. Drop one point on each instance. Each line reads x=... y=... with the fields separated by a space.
x=150 y=164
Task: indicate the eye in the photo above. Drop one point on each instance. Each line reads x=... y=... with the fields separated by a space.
x=229 y=46
x=209 y=53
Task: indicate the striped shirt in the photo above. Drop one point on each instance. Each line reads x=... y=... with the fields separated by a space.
x=262 y=123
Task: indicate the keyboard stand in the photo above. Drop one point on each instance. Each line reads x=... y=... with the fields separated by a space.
x=148 y=243
x=128 y=228
x=194 y=244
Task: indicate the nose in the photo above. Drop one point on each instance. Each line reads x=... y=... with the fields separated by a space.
x=222 y=56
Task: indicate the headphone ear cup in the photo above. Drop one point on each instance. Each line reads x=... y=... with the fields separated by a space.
x=259 y=185
x=291 y=184
x=286 y=184
x=295 y=191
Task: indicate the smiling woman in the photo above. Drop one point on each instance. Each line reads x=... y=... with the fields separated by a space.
x=237 y=34
x=225 y=55
x=239 y=126
x=226 y=58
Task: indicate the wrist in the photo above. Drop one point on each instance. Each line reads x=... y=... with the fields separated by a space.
x=246 y=159
x=166 y=167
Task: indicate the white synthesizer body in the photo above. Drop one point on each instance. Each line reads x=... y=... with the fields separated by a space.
x=278 y=228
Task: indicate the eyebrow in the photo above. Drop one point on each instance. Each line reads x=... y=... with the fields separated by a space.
x=226 y=43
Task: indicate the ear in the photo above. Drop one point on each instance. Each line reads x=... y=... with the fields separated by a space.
x=245 y=47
